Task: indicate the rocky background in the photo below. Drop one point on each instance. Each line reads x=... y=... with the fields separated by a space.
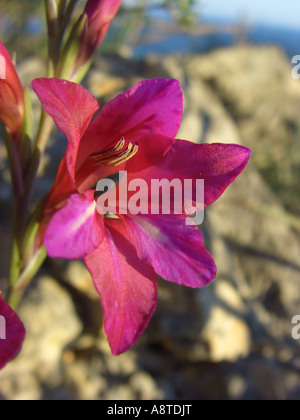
x=231 y=340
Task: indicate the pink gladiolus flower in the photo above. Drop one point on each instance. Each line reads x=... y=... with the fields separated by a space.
x=124 y=255
x=11 y=95
x=99 y=15
x=12 y=333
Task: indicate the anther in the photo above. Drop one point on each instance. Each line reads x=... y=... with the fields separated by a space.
x=110 y=158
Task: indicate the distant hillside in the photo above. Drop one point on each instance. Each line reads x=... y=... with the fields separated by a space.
x=164 y=42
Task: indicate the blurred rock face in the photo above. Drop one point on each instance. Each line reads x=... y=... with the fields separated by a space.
x=230 y=340
x=255 y=86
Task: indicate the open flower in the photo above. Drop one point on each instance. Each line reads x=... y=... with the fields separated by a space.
x=11 y=95
x=135 y=133
x=12 y=333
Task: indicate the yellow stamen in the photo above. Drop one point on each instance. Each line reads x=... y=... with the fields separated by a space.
x=110 y=158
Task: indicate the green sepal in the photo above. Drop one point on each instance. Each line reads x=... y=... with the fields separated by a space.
x=32 y=228
x=67 y=64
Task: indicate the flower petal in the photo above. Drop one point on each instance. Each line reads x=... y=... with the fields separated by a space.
x=127 y=288
x=11 y=95
x=175 y=250
x=12 y=333
x=8 y=75
x=76 y=230
x=149 y=107
x=100 y=12
x=62 y=188
x=99 y=16
x=72 y=108
x=151 y=150
x=217 y=164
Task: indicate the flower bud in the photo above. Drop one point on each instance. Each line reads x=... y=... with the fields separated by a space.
x=11 y=95
x=99 y=16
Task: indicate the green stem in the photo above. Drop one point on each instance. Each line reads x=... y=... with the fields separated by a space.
x=67 y=16
x=20 y=275
x=18 y=280
x=14 y=164
x=61 y=8
x=32 y=230
x=52 y=24
x=65 y=67
x=15 y=258
x=16 y=292
x=18 y=216
x=43 y=134
x=24 y=267
x=64 y=17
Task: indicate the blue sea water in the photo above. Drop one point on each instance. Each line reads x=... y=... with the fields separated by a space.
x=287 y=39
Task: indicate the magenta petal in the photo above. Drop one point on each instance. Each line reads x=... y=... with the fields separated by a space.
x=11 y=95
x=62 y=188
x=100 y=13
x=217 y=164
x=9 y=76
x=149 y=107
x=72 y=108
x=175 y=250
x=12 y=333
x=76 y=230
x=127 y=288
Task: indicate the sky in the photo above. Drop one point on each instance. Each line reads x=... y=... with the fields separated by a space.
x=285 y=13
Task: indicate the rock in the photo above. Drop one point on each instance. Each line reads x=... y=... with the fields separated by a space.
x=228 y=336
x=51 y=323
x=256 y=87
x=145 y=387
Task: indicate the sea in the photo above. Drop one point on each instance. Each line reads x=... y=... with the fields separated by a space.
x=258 y=34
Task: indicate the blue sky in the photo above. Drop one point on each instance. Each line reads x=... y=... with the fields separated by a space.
x=280 y=12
